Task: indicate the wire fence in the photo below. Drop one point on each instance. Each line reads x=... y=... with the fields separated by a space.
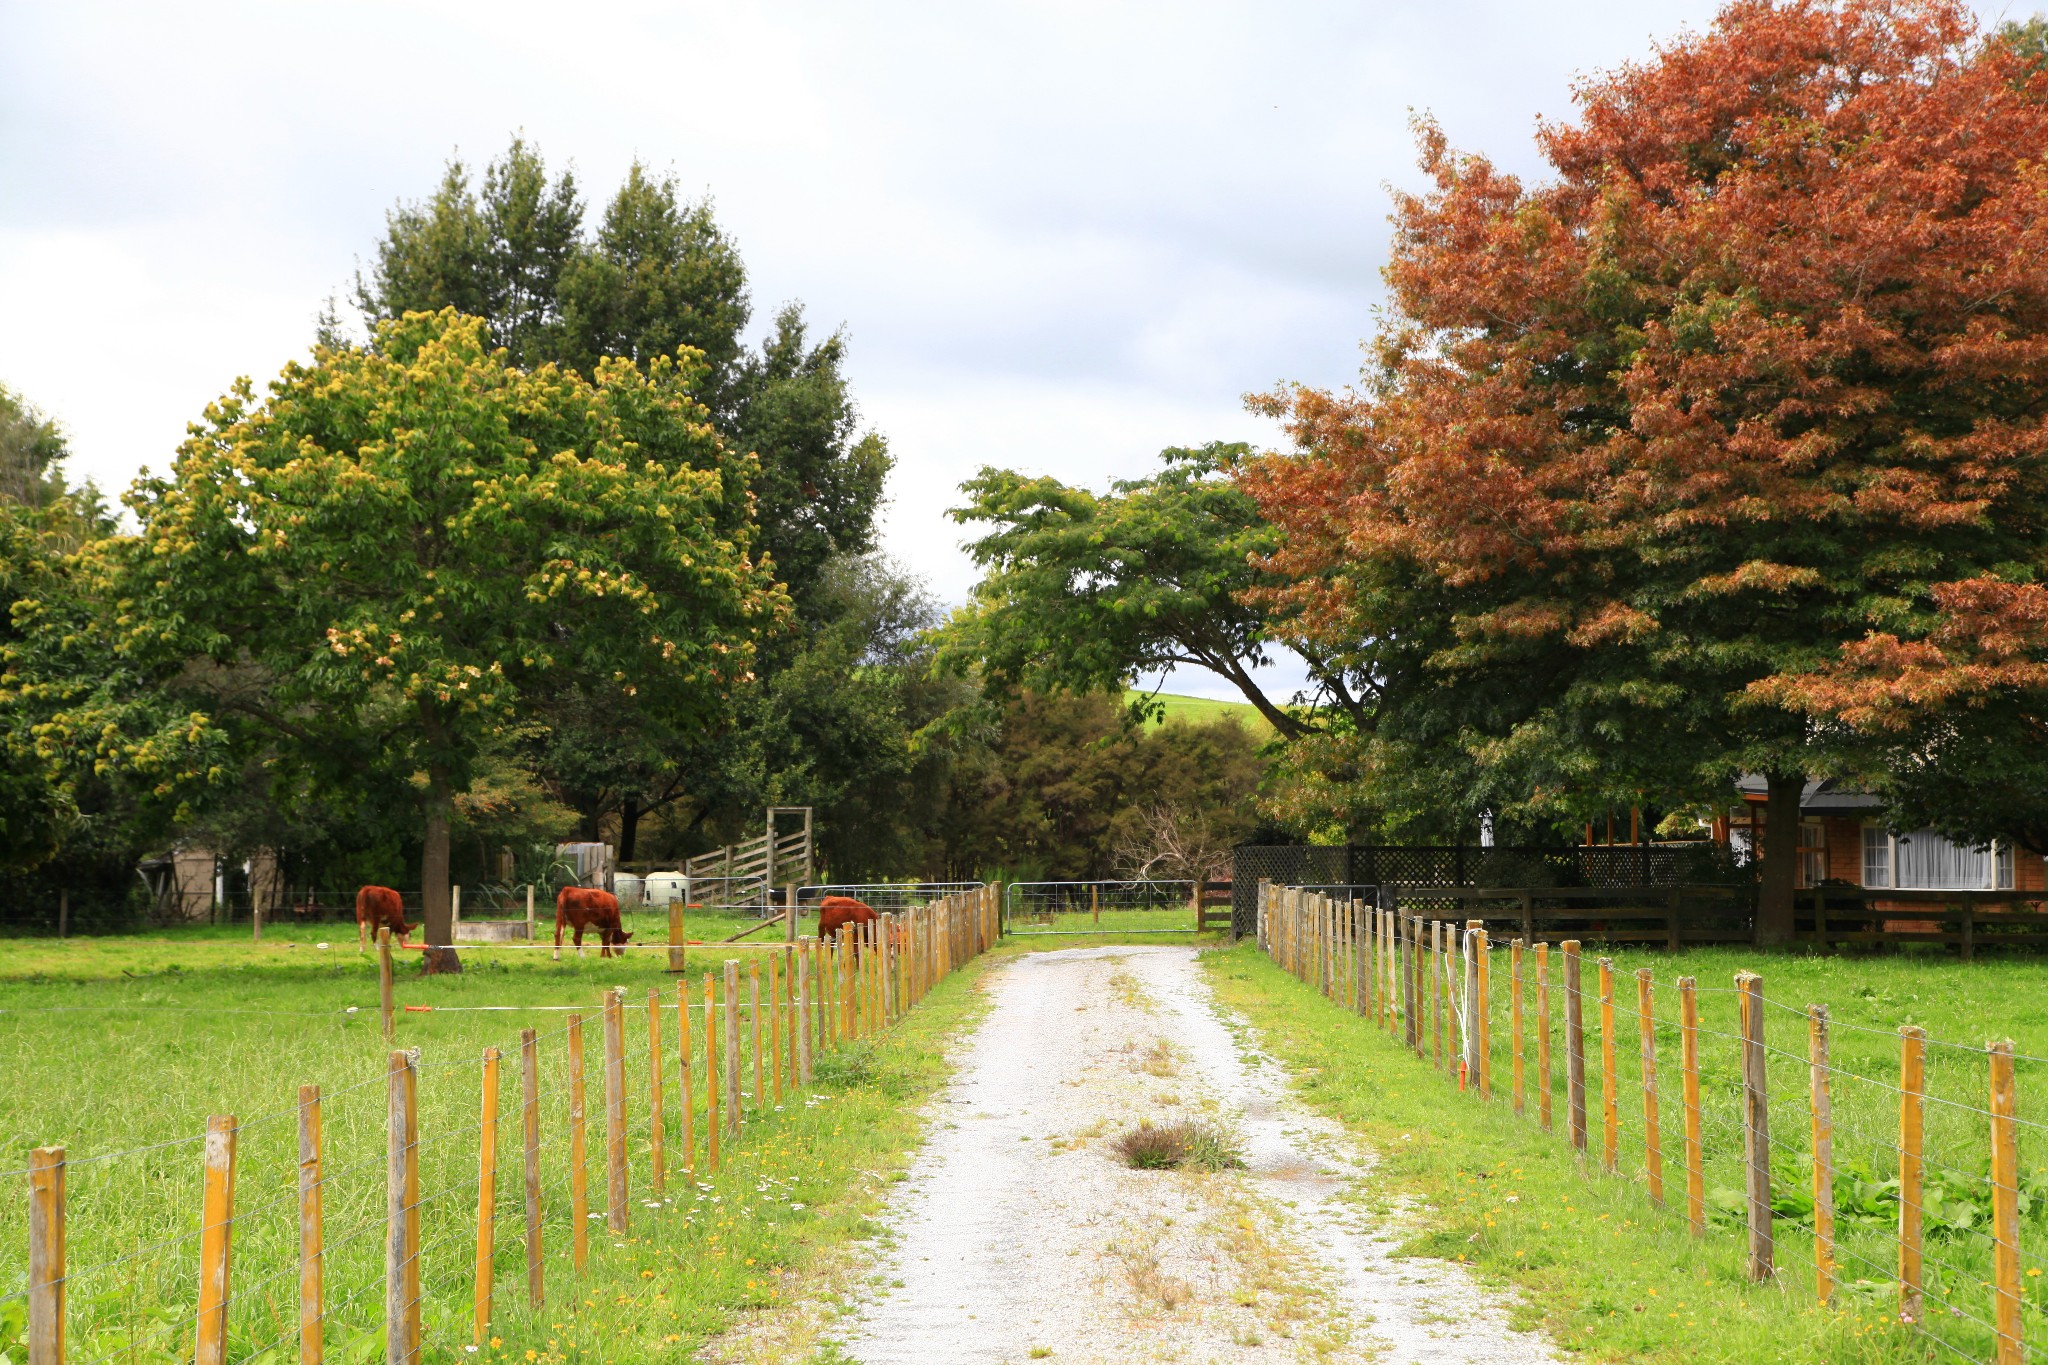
x=1858 y=1165
x=445 y=1195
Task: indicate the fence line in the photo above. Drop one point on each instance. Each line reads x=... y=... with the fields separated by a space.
x=1912 y=1174
x=446 y=1248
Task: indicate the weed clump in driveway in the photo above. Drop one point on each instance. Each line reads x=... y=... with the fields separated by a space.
x=1185 y=1145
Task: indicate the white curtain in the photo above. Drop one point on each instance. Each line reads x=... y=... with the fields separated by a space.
x=1925 y=861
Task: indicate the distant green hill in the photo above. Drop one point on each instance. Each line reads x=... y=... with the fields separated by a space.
x=1200 y=709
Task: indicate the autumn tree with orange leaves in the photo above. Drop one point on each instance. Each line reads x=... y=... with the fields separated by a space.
x=1671 y=463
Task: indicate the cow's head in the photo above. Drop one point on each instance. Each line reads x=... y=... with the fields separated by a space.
x=619 y=936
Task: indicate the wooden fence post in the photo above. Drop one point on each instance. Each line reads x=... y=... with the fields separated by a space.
x=657 y=1118
x=803 y=1014
x=579 y=1154
x=1820 y=1098
x=46 y=1256
x=216 y=1240
x=1439 y=987
x=1912 y=1120
x=1574 y=1046
x=1756 y=1125
x=617 y=1214
x=713 y=1083
x=1543 y=1098
x=1653 y=1142
x=1515 y=1014
x=2005 y=1204
x=754 y=1019
x=1482 y=953
x=312 y=1298
x=397 y=1208
x=775 y=988
x=386 y=993
x=1413 y=994
x=1689 y=1081
x=678 y=940
x=1361 y=961
x=887 y=928
x=1383 y=972
x=529 y=1081
x=689 y=1114
x=529 y=913
x=732 y=1047
x=1610 y=1101
x=486 y=1200
x=414 y=1302
x=842 y=982
x=1393 y=975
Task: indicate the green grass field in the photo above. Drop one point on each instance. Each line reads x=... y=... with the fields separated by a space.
x=1610 y=1274
x=1201 y=710
x=126 y=1045
x=118 y=1043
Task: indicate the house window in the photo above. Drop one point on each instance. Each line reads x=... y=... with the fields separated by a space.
x=1877 y=856
x=1813 y=853
x=1925 y=861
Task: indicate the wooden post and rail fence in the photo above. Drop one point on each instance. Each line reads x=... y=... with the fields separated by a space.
x=1699 y=915
x=814 y=997
x=1405 y=975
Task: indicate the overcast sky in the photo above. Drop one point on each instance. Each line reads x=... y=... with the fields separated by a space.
x=1059 y=236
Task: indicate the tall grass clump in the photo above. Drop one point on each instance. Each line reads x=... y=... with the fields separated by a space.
x=1187 y=1145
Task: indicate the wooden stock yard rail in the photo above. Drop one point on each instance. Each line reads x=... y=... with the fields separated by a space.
x=1903 y=1184
x=443 y=1227
x=1677 y=916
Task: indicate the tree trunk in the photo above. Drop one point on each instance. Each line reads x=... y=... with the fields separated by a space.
x=1780 y=871
x=629 y=827
x=435 y=904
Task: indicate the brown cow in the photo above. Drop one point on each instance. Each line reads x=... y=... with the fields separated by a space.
x=836 y=912
x=585 y=907
x=379 y=907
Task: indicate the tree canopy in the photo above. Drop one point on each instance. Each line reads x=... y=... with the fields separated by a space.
x=656 y=275
x=1752 y=377
x=1084 y=592
x=402 y=540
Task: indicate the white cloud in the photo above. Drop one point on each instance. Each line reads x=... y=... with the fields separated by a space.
x=1061 y=235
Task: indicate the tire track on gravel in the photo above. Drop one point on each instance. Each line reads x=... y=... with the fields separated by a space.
x=1019 y=1235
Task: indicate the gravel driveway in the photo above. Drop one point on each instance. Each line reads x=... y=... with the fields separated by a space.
x=1019 y=1235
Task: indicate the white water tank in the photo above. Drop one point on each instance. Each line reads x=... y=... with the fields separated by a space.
x=626 y=886
x=664 y=888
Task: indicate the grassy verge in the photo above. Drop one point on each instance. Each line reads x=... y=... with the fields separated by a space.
x=1599 y=1270
x=118 y=1044
x=805 y=1182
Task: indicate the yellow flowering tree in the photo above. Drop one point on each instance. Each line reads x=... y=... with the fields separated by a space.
x=412 y=536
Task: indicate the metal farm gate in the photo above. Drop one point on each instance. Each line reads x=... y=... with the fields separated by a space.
x=1119 y=907
x=887 y=897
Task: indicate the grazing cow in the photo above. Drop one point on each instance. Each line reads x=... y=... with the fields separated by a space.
x=584 y=907
x=379 y=907
x=836 y=912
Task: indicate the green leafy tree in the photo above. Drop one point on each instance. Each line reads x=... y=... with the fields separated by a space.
x=657 y=274
x=499 y=255
x=660 y=274
x=1084 y=592
x=407 y=539
x=1069 y=785
x=31 y=451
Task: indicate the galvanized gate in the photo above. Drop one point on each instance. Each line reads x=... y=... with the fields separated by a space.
x=1118 y=907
